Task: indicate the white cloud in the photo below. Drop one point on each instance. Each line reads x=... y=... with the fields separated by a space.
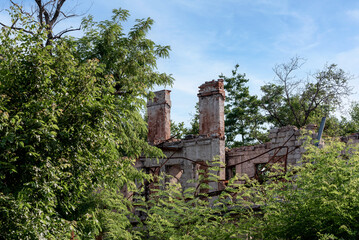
x=298 y=36
x=353 y=14
x=349 y=60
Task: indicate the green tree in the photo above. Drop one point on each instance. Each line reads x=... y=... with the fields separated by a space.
x=354 y=112
x=298 y=102
x=242 y=117
x=70 y=124
x=178 y=130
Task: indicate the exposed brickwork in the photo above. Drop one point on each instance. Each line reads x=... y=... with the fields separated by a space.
x=235 y=156
x=287 y=137
x=186 y=157
x=285 y=145
x=211 y=108
x=159 y=123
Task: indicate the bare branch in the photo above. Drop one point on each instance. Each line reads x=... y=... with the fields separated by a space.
x=57 y=12
x=59 y=35
x=283 y=73
x=48 y=13
x=68 y=16
x=47 y=18
x=60 y=19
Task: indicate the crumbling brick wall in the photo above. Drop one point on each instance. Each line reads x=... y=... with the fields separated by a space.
x=285 y=147
x=185 y=158
x=239 y=159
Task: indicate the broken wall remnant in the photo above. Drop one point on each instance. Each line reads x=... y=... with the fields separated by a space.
x=288 y=138
x=185 y=158
x=243 y=160
x=285 y=147
x=159 y=114
x=211 y=108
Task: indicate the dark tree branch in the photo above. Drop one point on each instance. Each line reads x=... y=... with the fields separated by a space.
x=57 y=12
x=49 y=13
x=16 y=28
x=41 y=10
x=59 y=35
x=68 y=16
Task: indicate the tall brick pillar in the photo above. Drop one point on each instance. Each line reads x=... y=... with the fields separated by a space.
x=211 y=108
x=158 y=110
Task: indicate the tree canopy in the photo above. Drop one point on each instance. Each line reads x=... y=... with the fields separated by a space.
x=289 y=100
x=298 y=102
x=242 y=115
x=70 y=121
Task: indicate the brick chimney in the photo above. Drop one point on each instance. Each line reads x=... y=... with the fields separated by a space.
x=211 y=108
x=159 y=113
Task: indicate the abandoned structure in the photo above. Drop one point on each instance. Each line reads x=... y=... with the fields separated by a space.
x=185 y=157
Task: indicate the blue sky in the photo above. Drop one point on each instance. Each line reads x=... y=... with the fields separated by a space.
x=208 y=37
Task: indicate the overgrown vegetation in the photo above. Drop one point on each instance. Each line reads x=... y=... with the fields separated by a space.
x=316 y=200
x=71 y=127
x=70 y=123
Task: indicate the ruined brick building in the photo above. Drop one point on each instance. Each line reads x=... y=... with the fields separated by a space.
x=186 y=156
